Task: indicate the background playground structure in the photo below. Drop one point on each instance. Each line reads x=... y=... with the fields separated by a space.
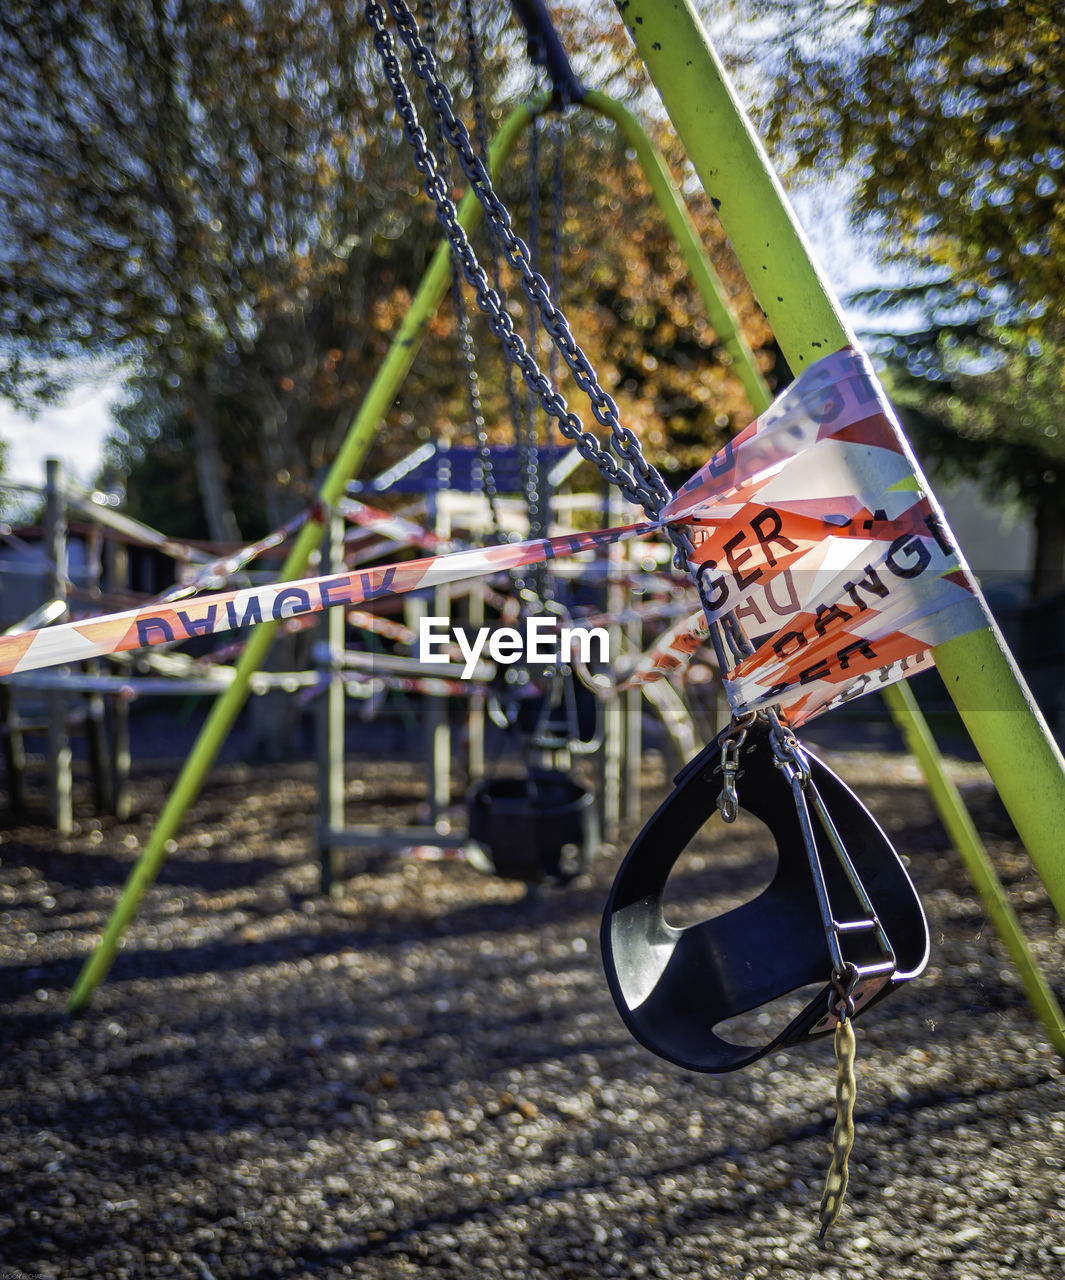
x=803 y=298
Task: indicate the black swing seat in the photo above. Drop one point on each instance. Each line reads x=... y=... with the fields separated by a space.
x=674 y=986
x=541 y=825
x=563 y=718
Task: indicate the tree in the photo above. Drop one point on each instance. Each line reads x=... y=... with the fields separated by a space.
x=996 y=413
x=177 y=181
x=217 y=197
x=950 y=116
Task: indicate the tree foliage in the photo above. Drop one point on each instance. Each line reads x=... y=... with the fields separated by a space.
x=183 y=188
x=950 y=117
x=216 y=198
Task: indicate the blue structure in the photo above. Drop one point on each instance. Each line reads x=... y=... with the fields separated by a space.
x=432 y=468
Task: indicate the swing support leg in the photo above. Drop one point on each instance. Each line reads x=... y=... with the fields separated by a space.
x=1005 y=726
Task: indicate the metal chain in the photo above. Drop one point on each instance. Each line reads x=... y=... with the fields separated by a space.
x=473 y=61
x=530 y=457
x=523 y=419
x=843 y=1130
x=557 y=135
x=642 y=485
x=480 y=133
x=466 y=346
x=515 y=408
x=535 y=478
x=558 y=196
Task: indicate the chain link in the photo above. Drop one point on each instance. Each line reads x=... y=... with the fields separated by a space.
x=537 y=497
x=473 y=60
x=558 y=197
x=466 y=345
x=640 y=483
x=530 y=458
x=843 y=1130
x=480 y=133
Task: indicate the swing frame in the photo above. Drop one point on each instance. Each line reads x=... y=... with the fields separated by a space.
x=807 y=322
x=978 y=670
x=349 y=459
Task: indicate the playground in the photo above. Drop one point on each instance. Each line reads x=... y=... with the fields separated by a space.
x=406 y=947
x=427 y=1076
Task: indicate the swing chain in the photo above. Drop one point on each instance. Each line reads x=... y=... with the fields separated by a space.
x=642 y=485
x=516 y=410
x=466 y=345
x=480 y=115
x=557 y=134
x=843 y=1130
x=530 y=454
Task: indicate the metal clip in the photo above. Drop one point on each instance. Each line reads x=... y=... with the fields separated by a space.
x=728 y=804
x=841 y=1004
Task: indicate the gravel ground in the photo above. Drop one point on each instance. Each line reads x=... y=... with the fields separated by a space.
x=426 y=1076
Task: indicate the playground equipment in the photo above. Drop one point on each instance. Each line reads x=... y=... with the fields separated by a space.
x=807 y=323
x=545 y=716
x=840 y=903
x=539 y=823
x=91 y=555
x=42 y=577
x=173 y=673
x=448 y=479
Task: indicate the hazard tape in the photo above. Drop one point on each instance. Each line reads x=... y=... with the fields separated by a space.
x=227 y=611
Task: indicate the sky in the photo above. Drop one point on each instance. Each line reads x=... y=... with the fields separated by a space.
x=73 y=432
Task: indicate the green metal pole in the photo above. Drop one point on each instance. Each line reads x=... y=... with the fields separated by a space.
x=899 y=698
x=737 y=175
x=1011 y=736
x=680 y=224
x=228 y=705
x=901 y=702
x=981 y=870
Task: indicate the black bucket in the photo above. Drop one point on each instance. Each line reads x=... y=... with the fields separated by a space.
x=542 y=826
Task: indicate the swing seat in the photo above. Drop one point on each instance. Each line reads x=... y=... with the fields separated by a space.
x=541 y=826
x=568 y=723
x=674 y=986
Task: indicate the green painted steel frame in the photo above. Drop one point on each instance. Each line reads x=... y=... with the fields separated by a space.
x=350 y=457
x=979 y=673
